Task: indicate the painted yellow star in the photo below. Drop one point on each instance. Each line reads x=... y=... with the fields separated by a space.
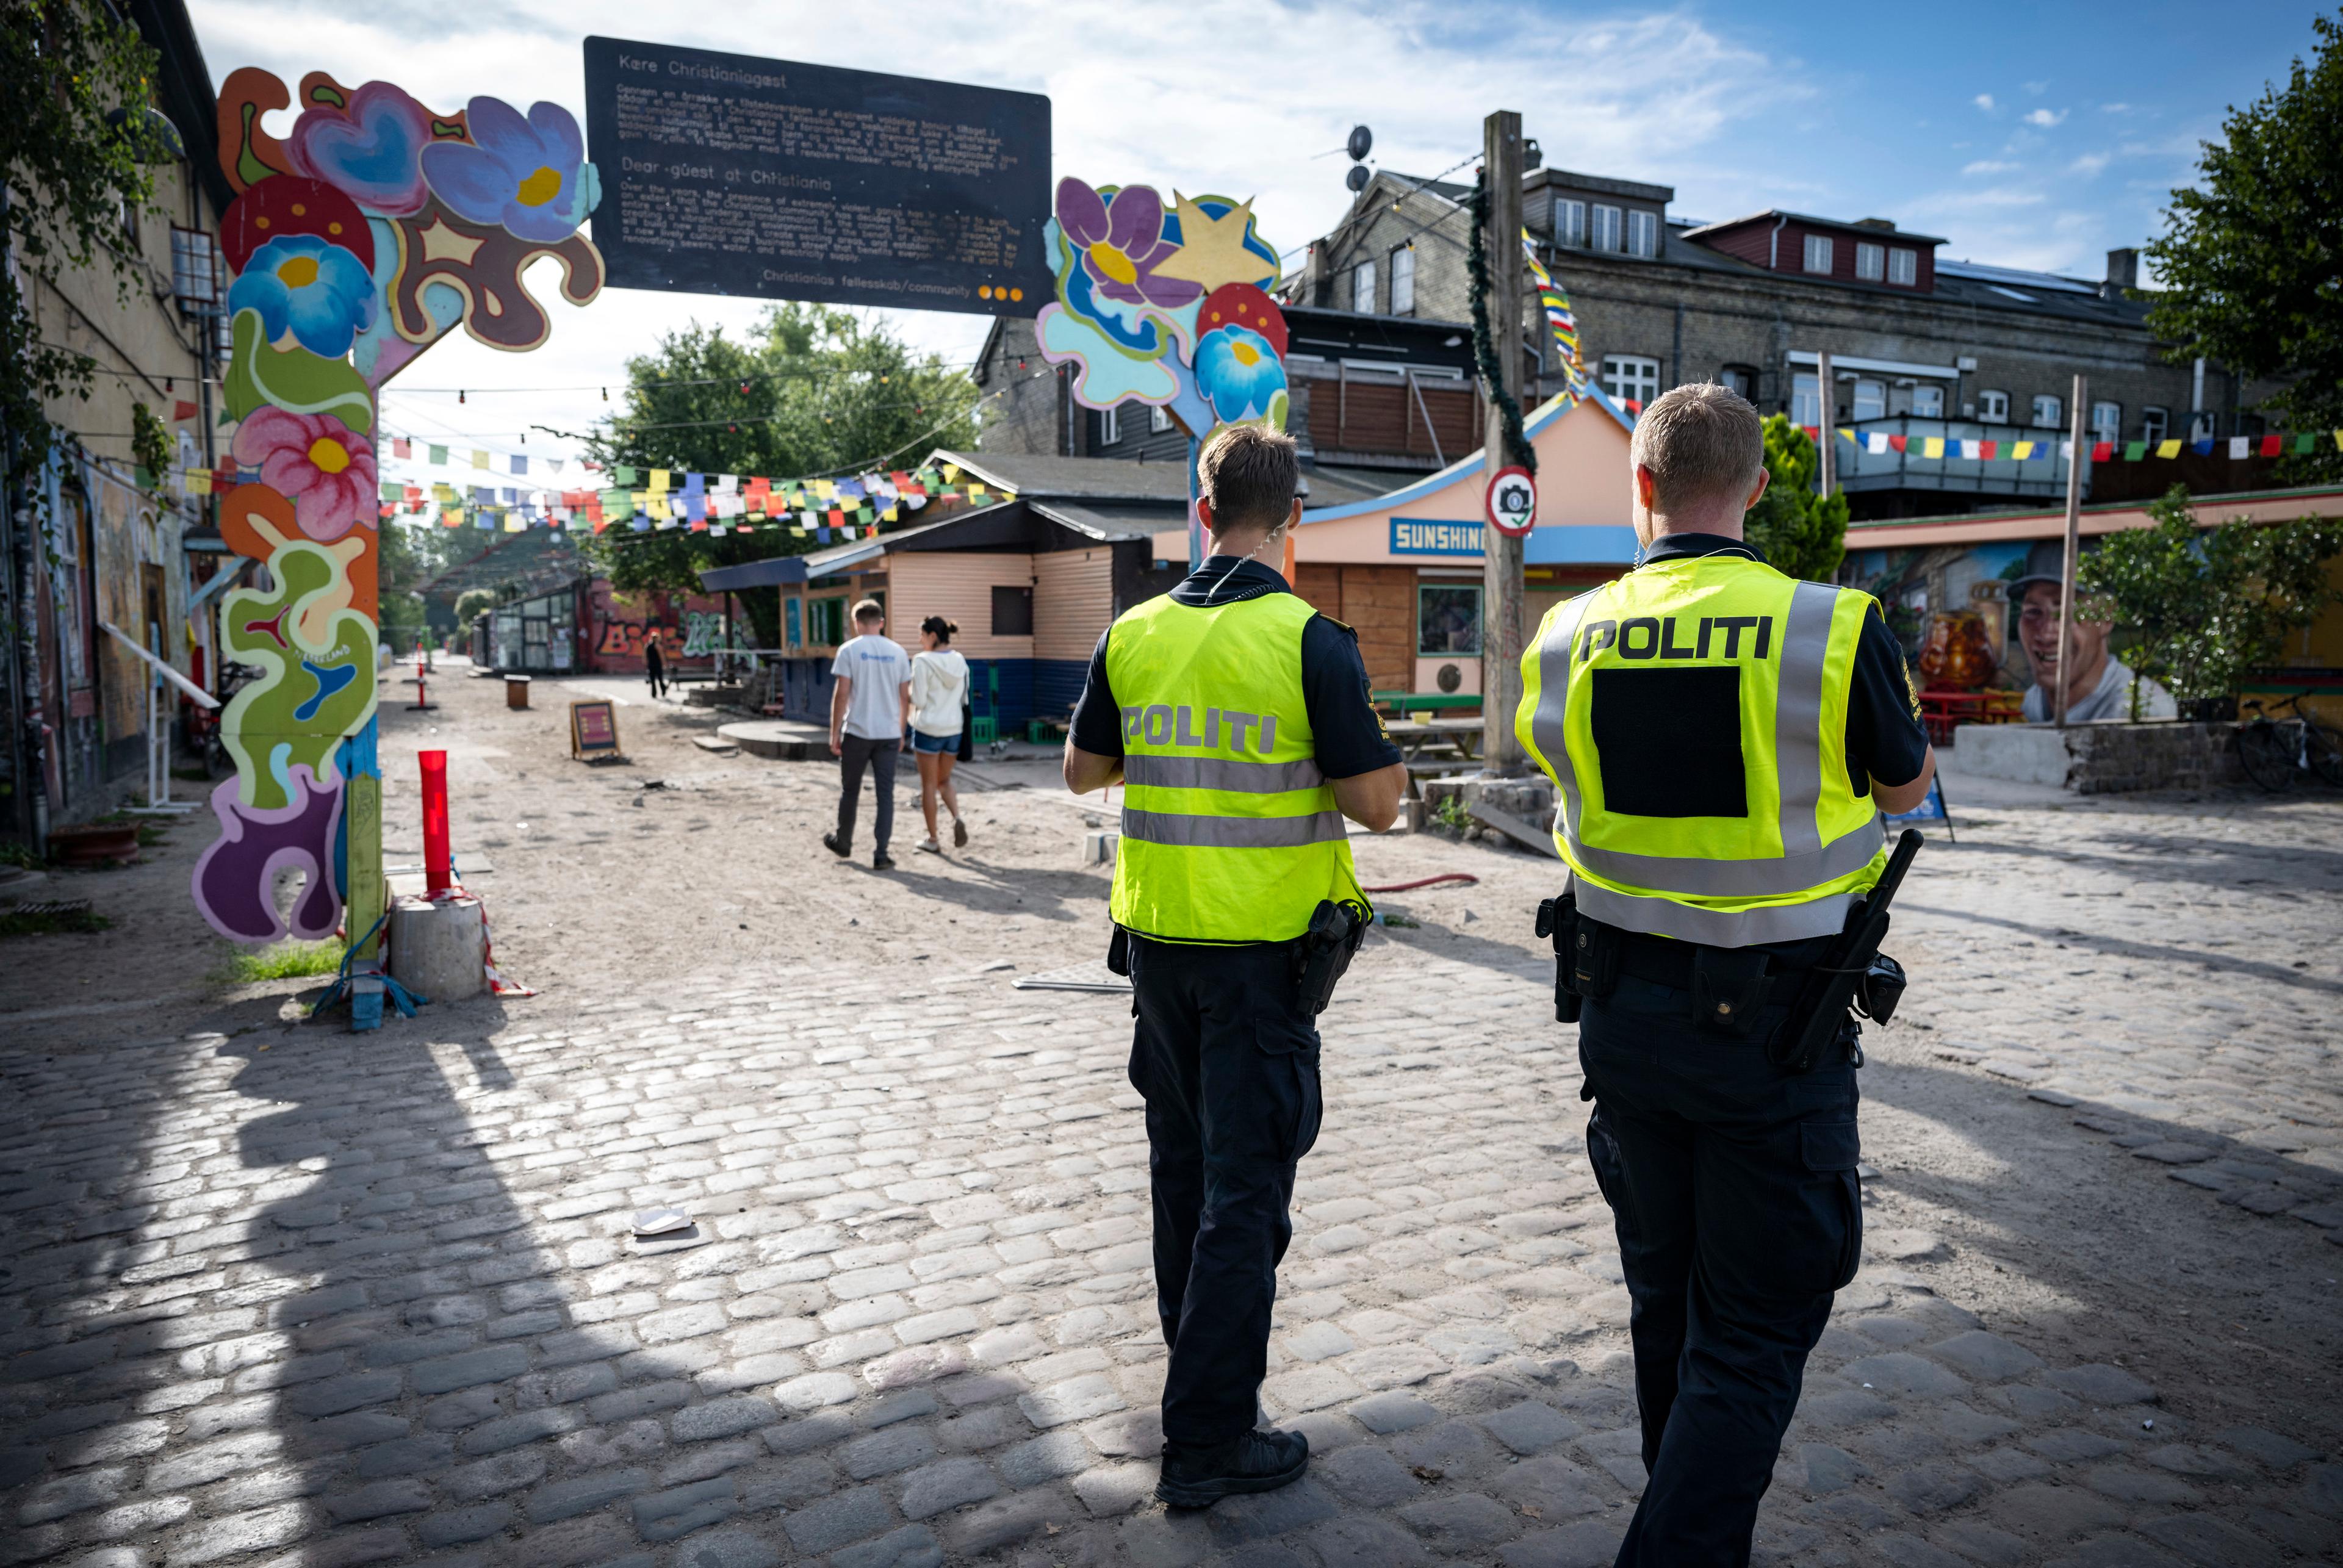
x=1212 y=250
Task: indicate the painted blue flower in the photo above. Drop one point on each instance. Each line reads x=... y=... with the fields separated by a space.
x=530 y=176
x=310 y=285
x=1239 y=371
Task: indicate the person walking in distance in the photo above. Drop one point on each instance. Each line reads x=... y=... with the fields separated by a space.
x=939 y=690
x=870 y=707
x=654 y=665
x=1238 y=723
x=1723 y=740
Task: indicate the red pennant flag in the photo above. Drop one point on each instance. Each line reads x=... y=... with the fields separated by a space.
x=837 y=517
x=1895 y=443
x=2273 y=445
x=400 y=446
x=2103 y=451
x=1986 y=449
x=182 y=410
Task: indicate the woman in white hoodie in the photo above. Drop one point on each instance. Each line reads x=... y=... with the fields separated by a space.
x=938 y=693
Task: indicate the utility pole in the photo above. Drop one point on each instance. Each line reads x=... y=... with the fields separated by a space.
x=1501 y=648
x=1826 y=434
x=2073 y=545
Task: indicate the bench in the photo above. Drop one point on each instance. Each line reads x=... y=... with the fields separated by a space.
x=1408 y=701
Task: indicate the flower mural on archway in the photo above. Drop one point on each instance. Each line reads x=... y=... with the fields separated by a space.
x=377 y=225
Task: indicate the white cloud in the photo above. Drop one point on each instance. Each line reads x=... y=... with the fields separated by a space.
x=1133 y=97
x=2045 y=118
x=2115 y=108
x=1983 y=100
x=2037 y=88
x=2090 y=163
x=1989 y=166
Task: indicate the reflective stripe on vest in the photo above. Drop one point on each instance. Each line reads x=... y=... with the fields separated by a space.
x=1241 y=774
x=1233 y=833
x=1749 y=897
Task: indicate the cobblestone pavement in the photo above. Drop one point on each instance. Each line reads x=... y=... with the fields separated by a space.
x=295 y=1297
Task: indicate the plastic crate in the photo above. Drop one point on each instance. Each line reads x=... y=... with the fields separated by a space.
x=981 y=731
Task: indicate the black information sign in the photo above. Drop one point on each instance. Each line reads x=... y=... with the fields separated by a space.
x=722 y=174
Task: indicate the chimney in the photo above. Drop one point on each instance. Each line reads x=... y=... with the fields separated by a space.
x=2123 y=272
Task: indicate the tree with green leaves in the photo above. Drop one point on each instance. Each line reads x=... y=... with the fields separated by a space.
x=2251 y=262
x=2201 y=606
x=1798 y=531
x=74 y=144
x=812 y=392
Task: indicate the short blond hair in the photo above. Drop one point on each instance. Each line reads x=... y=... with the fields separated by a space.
x=1702 y=442
x=1250 y=474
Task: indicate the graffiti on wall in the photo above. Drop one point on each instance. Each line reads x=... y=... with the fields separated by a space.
x=375 y=228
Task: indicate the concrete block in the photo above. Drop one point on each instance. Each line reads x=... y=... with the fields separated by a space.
x=439 y=951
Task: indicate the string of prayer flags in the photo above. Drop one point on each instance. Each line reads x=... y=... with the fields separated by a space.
x=2236 y=449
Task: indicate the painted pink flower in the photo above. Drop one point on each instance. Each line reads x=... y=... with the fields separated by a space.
x=1120 y=240
x=326 y=467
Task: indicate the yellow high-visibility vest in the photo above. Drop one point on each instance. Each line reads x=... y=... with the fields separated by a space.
x=1230 y=833
x=1693 y=717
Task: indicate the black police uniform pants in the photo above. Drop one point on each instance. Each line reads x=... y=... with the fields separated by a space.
x=1735 y=1193
x=1229 y=1067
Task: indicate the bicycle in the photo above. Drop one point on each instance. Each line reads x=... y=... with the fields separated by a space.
x=2272 y=750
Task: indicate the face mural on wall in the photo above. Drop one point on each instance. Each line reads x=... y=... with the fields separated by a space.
x=373 y=230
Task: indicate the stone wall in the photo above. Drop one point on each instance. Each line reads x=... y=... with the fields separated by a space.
x=2103 y=759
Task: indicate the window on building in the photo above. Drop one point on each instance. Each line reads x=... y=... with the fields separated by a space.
x=1447 y=619
x=1013 y=611
x=1903 y=268
x=2049 y=413
x=1110 y=426
x=195 y=268
x=2106 y=421
x=1604 y=234
x=1402 y=265
x=1993 y=407
x=826 y=622
x=1158 y=420
x=1642 y=232
x=1363 y=288
x=1738 y=379
x=1870 y=261
x=2154 y=423
x=1570 y=223
x=1928 y=402
x=1631 y=377
x=1806 y=399
x=1870 y=400
x=1819 y=250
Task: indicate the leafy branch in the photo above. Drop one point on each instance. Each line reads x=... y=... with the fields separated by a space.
x=71 y=176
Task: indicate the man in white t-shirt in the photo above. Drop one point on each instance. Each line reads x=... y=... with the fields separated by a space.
x=2098 y=684
x=869 y=704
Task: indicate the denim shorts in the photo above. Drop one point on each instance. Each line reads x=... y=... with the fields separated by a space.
x=948 y=745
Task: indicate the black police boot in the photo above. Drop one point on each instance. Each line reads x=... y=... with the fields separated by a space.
x=1195 y=1477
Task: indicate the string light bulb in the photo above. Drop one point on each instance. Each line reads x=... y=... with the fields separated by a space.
x=460 y=395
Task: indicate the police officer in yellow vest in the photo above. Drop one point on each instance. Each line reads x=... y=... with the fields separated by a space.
x=1723 y=740
x=1238 y=723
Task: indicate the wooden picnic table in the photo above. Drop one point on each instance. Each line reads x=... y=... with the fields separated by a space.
x=1459 y=738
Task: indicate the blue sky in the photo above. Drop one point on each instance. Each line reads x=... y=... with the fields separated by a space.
x=2028 y=136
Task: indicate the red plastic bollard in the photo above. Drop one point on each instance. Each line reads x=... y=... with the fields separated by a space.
x=438 y=875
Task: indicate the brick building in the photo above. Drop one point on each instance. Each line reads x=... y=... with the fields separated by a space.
x=1921 y=344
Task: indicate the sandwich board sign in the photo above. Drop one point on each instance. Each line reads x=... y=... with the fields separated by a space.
x=594 y=728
